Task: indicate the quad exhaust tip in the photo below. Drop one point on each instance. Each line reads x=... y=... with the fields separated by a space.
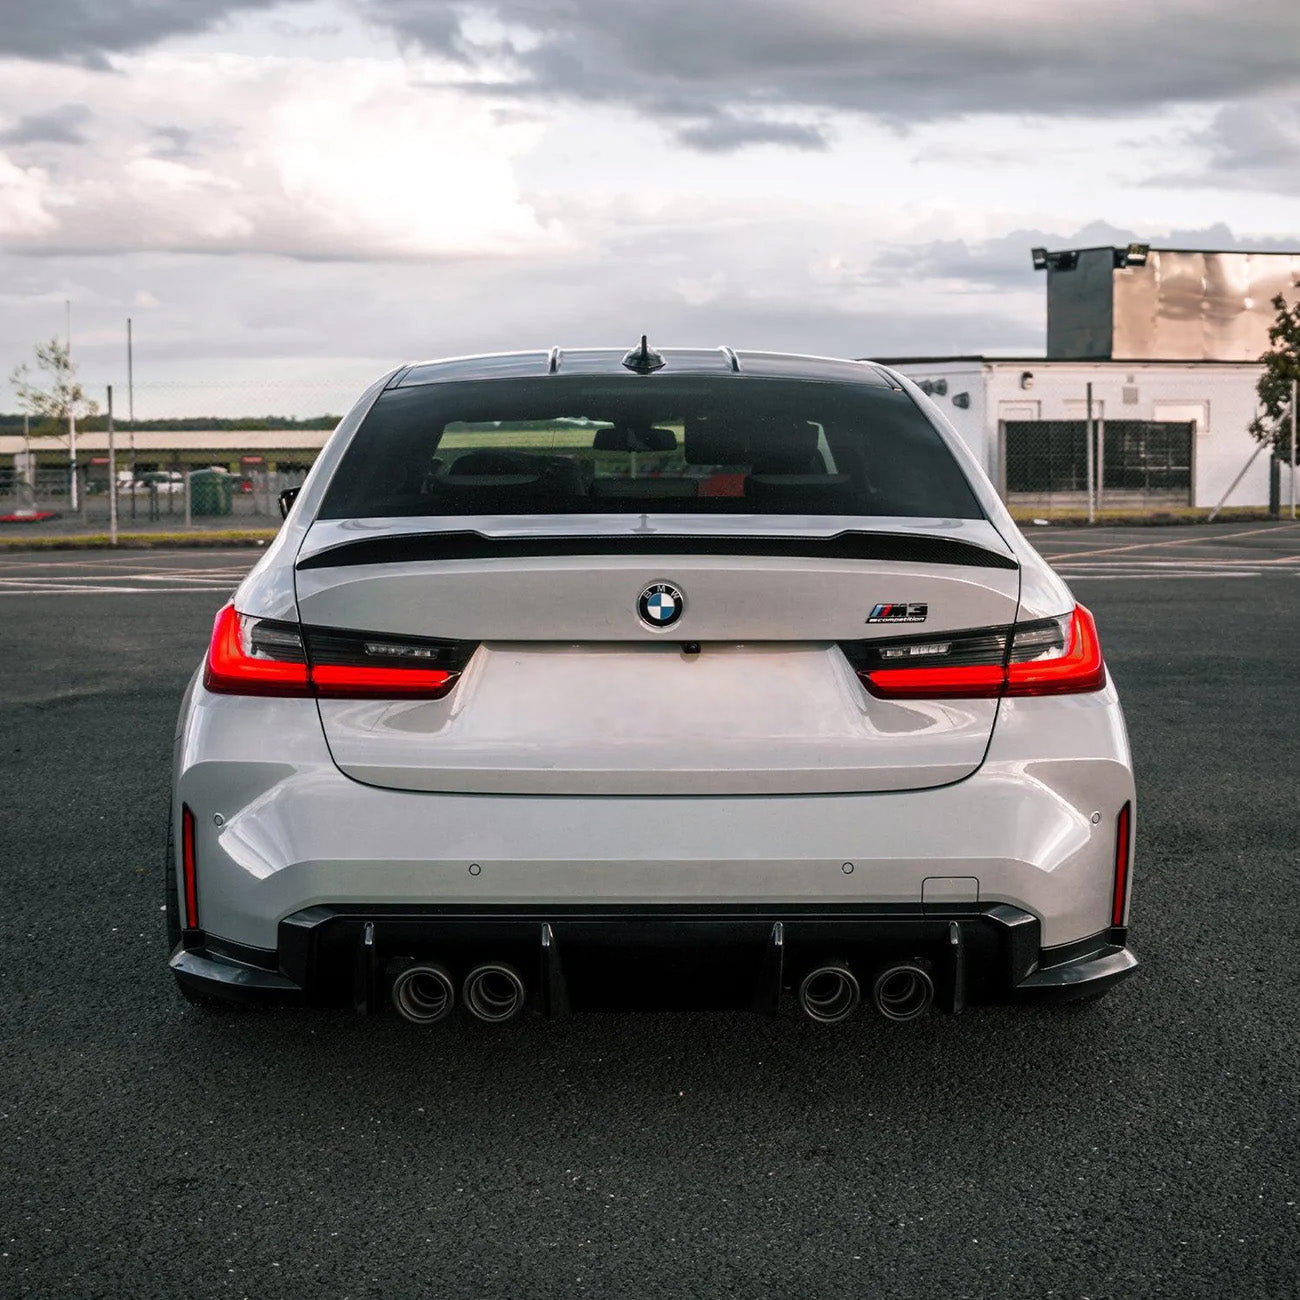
x=829 y=994
x=493 y=992
x=424 y=993
x=903 y=992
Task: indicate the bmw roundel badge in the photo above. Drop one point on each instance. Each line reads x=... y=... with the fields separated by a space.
x=660 y=604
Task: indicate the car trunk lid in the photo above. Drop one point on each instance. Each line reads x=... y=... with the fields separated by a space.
x=567 y=688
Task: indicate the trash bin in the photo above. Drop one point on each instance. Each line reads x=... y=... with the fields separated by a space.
x=210 y=492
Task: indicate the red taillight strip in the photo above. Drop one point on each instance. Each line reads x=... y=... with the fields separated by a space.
x=230 y=671
x=347 y=681
x=976 y=681
x=1078 y=670
x=1122 y=854
x=189 y=866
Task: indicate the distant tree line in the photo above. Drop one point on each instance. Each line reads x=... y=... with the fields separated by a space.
x=98 y=423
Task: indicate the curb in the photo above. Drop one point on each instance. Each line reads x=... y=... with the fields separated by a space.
x=138 y=541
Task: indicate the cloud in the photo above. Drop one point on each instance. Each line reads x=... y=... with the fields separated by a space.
x=174 y=142
x=901 y=63
x=338 y=159
x=1002 y=264
x=761 y=72
x=1251 y=145
x=61 y=125
x=86 y=31
x=255 y=335
x=723 y=133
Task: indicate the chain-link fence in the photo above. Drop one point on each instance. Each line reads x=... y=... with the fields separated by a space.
x=148 y=499
x=197 y=455
x=1116 y=463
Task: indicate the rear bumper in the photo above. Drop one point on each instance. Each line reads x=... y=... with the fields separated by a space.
x=655 y=958
x=279 y=829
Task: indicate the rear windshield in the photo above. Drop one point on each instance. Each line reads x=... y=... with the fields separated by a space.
x=573 y=445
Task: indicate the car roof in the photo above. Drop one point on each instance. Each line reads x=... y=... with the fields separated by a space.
x=610 y=362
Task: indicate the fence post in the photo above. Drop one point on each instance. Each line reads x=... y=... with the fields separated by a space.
x=1293 y=399
x=112 y=475
x=1091 y=470
x=1101 y=455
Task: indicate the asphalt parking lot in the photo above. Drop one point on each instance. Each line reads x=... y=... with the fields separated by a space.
x=1147 y=1145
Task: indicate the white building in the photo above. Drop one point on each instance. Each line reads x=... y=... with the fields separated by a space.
x=1169 y=342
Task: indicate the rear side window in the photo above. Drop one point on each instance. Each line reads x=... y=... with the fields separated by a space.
x=574 y=445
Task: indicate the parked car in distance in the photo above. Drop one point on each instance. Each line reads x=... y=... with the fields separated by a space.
x=158 y=482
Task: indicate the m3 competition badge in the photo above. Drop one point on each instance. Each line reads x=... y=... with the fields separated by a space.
x=899 y=613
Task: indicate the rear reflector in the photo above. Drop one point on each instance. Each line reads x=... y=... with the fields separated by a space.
x=257 y=656
x=189 y=869
x=1050 y=657
x=1123 y=849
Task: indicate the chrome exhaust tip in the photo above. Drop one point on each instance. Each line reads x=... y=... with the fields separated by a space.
x=903 y=992
x=493 y=992
x=829 y=994
x=423 y=993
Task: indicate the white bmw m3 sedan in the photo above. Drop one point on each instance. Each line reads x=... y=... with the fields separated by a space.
x=596 y=680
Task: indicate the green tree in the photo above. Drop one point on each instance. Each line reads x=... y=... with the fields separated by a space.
x=51 y=394
x=1281 y=368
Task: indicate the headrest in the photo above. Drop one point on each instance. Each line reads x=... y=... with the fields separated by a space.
x=716 y=440
x=628 y=437
x=771 y=445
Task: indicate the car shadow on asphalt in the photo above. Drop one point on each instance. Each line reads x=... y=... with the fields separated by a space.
x=998 y=1061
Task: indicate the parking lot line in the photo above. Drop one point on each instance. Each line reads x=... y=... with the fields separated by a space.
x=1146 y=577
x=1173 y=541
x=70 y=590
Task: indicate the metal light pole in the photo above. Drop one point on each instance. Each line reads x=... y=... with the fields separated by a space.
x=1092 y=470
x=112 y=474
x=130 y=408
x=73 y=495
x=130 y=392
x=1293 y=397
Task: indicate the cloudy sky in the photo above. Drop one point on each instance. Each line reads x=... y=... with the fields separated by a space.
x=289 y=197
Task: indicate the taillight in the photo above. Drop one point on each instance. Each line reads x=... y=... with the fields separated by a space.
x=258 y=656
x=253 y=656
x=189 y=869
x=348 y=664
x=1071 y=669
x=1123 y=853
x=1054 y=656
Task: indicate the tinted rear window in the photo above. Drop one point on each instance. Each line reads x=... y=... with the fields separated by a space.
x=573 y=445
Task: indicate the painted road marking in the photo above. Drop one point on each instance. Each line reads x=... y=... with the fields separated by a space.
x=1175 y=541
x=169 y=581
x=1147 y=577
x=73 y=590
